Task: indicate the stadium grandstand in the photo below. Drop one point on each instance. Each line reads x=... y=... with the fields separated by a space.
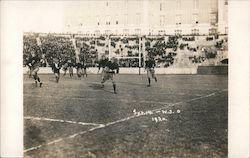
x=182 y=51
x=194 y=35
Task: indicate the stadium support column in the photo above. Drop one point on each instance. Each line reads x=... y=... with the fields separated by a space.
x=39 y=43
x=140 y=45
x=109 y=44
x=143 y=49
x=98 y=57
x=77 y=52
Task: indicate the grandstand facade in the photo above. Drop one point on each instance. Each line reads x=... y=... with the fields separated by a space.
x=146 y=17
x=177 y=33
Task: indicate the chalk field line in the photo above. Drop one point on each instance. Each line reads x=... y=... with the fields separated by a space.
x=62 y=121
x=119 y=121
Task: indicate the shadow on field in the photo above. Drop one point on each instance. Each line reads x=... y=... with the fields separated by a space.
x=133 y=83
x=33 y=136
x=95 y=86
x=108 y=91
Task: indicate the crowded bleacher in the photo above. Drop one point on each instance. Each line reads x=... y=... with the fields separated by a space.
x=168 y=51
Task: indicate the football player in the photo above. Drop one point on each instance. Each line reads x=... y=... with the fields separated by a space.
x=34 y=63
x=109 y=72
x=149 y=67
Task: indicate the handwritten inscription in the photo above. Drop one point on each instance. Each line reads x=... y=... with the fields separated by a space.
x=149 y=112
x=158 y=112
x=158 y=119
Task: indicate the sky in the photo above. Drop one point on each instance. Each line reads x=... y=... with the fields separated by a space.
x=45 y=16
x=41 y=16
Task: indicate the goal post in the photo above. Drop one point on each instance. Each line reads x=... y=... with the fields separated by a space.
x=141 y=52
x=129 y=57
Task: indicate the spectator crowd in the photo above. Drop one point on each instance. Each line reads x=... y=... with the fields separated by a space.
x=164 y=49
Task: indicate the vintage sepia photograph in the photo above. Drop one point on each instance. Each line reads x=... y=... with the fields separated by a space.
x=126 y=78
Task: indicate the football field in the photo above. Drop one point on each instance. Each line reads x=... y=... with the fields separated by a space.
x=179 y=116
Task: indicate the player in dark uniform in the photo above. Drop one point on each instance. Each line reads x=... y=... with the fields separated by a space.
x=79 y=68
x=65 y=68
x=34 y=63
x=68 y=66
x=149 y=67
x=56 y=69
x=109 y=72
x=84 y=69
x=102 y=63
x=29 y=67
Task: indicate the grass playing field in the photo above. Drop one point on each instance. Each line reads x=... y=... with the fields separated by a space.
x=179 y=116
